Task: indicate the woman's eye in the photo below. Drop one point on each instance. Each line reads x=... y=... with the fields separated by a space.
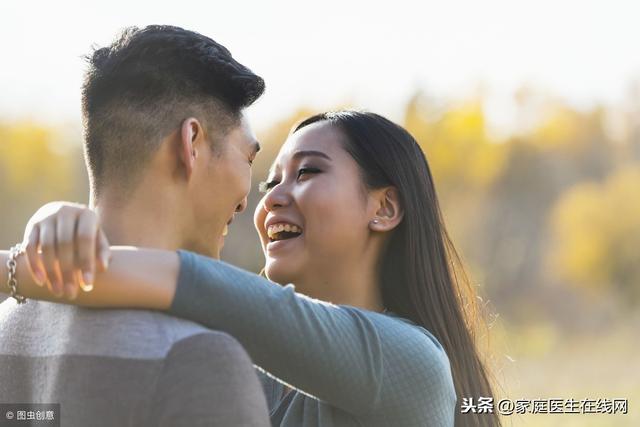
x=265 y=186
x=305 y=171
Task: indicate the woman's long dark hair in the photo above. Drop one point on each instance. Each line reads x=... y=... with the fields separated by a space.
x=420 y=271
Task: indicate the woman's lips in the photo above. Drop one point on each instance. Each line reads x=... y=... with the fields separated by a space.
x=273 y=230
x=281 y=244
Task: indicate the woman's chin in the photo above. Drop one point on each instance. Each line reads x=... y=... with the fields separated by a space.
x=280 y=272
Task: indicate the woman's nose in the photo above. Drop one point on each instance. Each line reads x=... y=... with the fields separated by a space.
x=279 y=196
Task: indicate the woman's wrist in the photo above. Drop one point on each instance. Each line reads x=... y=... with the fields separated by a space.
x=24 y=282
x=4 y=257
x=136 y=278
x=12 y=280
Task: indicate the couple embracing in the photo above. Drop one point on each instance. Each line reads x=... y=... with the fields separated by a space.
x=360 y=321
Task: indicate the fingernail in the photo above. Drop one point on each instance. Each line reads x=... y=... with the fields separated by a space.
x=87 y=277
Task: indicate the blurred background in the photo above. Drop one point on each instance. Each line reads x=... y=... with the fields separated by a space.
x=528 y=111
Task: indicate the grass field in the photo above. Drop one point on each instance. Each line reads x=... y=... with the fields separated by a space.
x=540 y=363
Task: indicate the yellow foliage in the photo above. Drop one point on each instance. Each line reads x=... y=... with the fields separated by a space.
x=567 y=129
x=29 y=161
x=457 y=146
x=596 y=233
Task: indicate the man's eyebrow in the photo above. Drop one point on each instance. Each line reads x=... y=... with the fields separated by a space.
x=308 y=153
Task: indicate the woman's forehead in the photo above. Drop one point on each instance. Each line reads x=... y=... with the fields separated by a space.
x=320 y=137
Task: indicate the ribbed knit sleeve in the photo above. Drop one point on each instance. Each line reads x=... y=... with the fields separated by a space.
x=357 y=360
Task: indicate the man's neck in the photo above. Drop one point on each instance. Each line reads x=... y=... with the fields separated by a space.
x=141 y=222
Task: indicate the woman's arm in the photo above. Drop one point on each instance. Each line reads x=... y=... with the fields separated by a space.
x=136 y=278
x=360 y=361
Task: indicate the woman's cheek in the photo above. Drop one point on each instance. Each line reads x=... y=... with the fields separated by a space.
x=259 y=216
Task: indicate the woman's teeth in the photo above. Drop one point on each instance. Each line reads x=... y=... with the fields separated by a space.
x=283 y=231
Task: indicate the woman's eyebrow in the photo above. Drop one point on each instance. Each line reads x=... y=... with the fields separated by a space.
x=299 y=155
x=307 y=153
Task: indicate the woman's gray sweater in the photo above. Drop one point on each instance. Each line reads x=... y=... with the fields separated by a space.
x=348 y=366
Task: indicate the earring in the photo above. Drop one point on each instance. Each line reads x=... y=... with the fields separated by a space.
x=375 y=221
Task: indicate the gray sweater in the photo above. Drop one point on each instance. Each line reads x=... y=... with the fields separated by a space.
x=125 y=368
x=348 y=366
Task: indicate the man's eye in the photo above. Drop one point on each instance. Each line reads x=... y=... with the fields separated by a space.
x=265 y=186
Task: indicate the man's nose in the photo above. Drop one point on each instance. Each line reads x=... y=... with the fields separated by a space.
x=242 y=205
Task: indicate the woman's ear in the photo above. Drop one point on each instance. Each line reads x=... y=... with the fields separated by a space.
x=389 y=211
x=191 y=135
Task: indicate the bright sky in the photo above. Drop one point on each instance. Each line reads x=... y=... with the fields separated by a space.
x=323 y=53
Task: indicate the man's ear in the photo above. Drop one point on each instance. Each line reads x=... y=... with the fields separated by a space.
x=191 y=137
x=389 y=211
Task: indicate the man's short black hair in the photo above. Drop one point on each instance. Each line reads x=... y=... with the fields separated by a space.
x=141 y=88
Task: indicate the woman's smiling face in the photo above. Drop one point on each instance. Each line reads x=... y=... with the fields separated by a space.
x=313 y=218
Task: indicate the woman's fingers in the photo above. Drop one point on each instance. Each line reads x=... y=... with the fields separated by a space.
x=86 y=287
x=65 y=250
x=49 y=257
x=33 y=256
x=63 y=241
x=87 y=247
x=104 y=250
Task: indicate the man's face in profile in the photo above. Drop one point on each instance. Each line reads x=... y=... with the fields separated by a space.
x=221 y=187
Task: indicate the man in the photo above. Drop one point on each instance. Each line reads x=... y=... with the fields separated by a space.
x=169 y=154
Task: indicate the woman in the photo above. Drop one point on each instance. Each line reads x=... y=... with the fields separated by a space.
x=350 y=216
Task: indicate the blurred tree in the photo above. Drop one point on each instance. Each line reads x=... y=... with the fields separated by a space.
x=460 y=154
x=566 y=148
x=496 y=195
x=633 y=121
x=37 y=164
x=595 y=241
x=465 y=163
x=29 y=159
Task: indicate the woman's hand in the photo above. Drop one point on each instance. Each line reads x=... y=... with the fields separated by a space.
x=64 y=245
